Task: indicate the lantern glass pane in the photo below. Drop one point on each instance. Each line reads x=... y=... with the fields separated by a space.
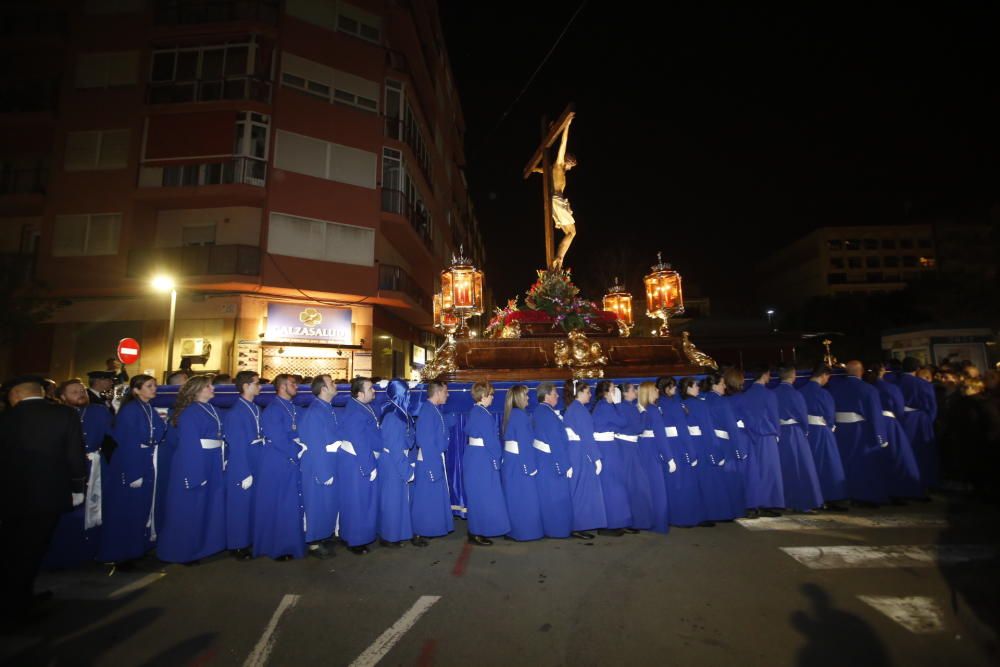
x=462 y=288
x=447 y=302
x=479 y=291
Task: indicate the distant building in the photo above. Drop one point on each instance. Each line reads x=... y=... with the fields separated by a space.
x=938 y=344
x=296 y=166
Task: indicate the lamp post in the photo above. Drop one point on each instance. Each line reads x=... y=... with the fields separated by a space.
x=664 y=296
x=163 y=283
x=770 y=318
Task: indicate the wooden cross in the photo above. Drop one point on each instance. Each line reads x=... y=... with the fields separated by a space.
x=540 y=160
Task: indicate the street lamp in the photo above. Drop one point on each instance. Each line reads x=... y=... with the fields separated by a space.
x=770 y=318
x=163 y=283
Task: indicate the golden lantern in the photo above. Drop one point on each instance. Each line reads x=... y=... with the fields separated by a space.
x=618 y=301
x=461 y=293
x=664 y=297
x=446 y=322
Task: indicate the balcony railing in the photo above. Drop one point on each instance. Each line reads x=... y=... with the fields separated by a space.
x=394 y=201
x=190 y=12
x=252 y=88
x=241 y=170
x=23 y=181
x=206 y=260
x=394 y=278
x=408 y=133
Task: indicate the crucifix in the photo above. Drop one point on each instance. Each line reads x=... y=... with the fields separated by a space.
x=557 y=210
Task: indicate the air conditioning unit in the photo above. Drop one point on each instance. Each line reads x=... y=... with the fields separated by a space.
x=195 y=347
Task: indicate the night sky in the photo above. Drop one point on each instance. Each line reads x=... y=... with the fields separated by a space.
x=716 y=132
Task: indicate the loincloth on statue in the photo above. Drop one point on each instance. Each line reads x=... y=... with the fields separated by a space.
x=562 y=214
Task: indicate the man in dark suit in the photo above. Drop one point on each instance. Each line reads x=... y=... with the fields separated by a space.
x=100 y=385
x=43 y=475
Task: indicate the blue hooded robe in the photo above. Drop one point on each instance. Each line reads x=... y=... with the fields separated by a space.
x=320 y=433
x=395 y=470
x=194 y=524
x=919 y=413
x=682 y=485
x=588 y=497
x=356 y=463
x=519 y=473
x=655 y=455
x=731 y=439
x=244 y=444
x=903 y=474
x=760 y=416
x=128 y=481
x=637 y=479
x=798 y=472
x=710 y=470
x=826 y=456
x=555 y=494
x=487 y=508
x=278 y=528
x=861 y=439
x=432 y=515
x=607 y=423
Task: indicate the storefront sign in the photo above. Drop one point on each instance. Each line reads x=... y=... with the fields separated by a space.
x=297 y=323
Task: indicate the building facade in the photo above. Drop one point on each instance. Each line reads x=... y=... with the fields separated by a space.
x=296 y=166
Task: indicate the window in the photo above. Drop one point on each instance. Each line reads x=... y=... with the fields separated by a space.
x=99 y=149
x=251 y=135
x=906 y=243
x=836 y=262
x=318 y=239
x=889 y=244
x=927 y=263
x=852 y=244
x=890 y=262
x=328 y=84
x=86 y=235
x=872 y=262
x=199 y=235
x=361 y=24
x=106 y=70
x=323 y=159
x=835 y=244
x=227 y=71
x=923 y=243
x=909 y=261
x=854 y=262
x=871 y=244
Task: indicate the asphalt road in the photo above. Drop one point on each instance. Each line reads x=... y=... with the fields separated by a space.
x=706 y=596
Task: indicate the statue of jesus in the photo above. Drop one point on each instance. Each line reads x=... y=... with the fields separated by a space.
x=562 y=214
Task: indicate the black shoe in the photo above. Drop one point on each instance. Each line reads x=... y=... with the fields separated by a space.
x=284 y=559
x=753 y=513
x=510 y=539
x=581 y=535
x=419 y=541
x=632 y=531
x=610 y=532
x=390 y=545
x=836 y=507
x=360 y=551
x=321 y=551
x=480 y=540
x=770 y=513
x=243 y=554
x=707 y=524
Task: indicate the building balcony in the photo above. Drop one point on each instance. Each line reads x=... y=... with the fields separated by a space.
x=23 y=181
x=235 y=171
x=189 y=261
x=408 y=133
x=194 y=12
x=236 y=88
x=394 y=278
x=394 y=201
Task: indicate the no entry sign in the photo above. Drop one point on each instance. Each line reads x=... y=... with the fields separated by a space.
x=128 y=350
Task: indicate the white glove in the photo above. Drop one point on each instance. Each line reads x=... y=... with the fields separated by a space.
x=694 y=463
x=328 y=482
x=77 y=499
x=885 y=444
x=137 y=484
x=532 y=473
x=382 y=384
x=247 y=482
x=722 y=462
x=833 y=429
x=569 y=473
x=414 y=384
x=597 y=466
x=302 y=445
x=672 y=465
x=413 y=476
x=616 y=395
x=374 y=474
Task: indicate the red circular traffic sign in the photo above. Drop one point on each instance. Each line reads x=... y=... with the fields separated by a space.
x=128 y=350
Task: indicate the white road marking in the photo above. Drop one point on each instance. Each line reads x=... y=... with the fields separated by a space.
x=388 y=639
x=828 y=521
x=919 y=615
x=838 y=557
x=136 y=585
x=258 y=657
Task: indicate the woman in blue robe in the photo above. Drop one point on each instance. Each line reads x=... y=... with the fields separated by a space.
x=710 y=471
x=656 y=459
x=431 y=509
x=798 y=472
x=682 y=482
x=519 y=469
x=320 y=433
x=244 y=443
x=487 y=508
x=640 y=498
x=729 y=439
x=555 y=493
x=357 y=465
x=902 y=475
x=608 y=423
x=128 y=481
x=77 y=535
x=194 y=525
x=765 y=491
x=821 y=416
x=395 y=471
x=584 y=460
x=278 y=526
x=919 y=414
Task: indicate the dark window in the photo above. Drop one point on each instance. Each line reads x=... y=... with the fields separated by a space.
x=890 y=262
x=854 y=263
x=889 y=244
x=835 y=244
x=909 y=260
x=905 y=243
x=836 y=262
x=871 y=244
x=163 y=66
x=872 y=262
x=852 y=244
x=923 y=243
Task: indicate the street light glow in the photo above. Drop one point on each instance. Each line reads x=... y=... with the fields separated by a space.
x=770 y=312
x=163 y=283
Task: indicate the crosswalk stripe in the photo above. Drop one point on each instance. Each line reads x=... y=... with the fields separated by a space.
x=903 y=555
x=136 y=585
x=919 y=615
x=834 y=521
